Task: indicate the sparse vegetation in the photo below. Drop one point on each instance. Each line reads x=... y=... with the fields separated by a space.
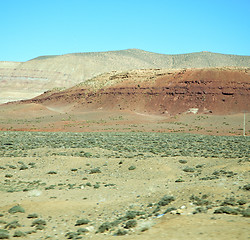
x=82 y=222
x=163 y=164
x=16 y=209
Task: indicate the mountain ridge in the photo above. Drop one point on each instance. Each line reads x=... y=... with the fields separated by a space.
x=129 y=50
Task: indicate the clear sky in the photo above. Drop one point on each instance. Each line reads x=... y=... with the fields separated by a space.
x=31 y=28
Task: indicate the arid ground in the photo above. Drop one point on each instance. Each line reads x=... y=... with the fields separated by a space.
x=108 y=185
x=122 y=174
x=156 y=153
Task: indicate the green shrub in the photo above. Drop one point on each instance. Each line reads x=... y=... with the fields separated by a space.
x=104 y=227
x=38 y=222
x=132 y=167
x=4 y=234
x=82 y=230
x=16 y=209
x=227 y=210
x=82 y=222
x=12 y=225
x=52 y=172
x=246 y=213
x=121 y=232
x=182 y=161
x=166 y=200
x=95 y=170
x=19 y=234
x=130 y=224
x=32 y=215
x=189 y=169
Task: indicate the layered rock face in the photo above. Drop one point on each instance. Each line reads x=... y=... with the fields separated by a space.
x=159 y=91
x=22 y=80
x=18 y=82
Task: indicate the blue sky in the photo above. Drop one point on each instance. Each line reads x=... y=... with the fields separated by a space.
x=31 y=28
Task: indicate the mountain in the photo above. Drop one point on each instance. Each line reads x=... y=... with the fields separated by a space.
x=22 y=80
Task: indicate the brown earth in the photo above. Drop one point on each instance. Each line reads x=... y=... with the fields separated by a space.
x=217 y=91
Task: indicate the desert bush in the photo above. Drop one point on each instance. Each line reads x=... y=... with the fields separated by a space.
x=97 y=185
x=130 y=224
x=38 y=222
x=104 y=227
x=166 y=200
x=94 y=170
x=121 y=232
x=52 y=172
x=229 y=201
x=72 y=235
x=50 y=187
x=189 y=169
x=82 y=222
x=32 y=215
x=19 y=234
x=200 y=201
x=12 y=225
x=16 y=209
x=12 y=166
x=200 y=210
x=23 y=167
x=246 y=212
x=132 y=167
x=182 y=161
x=227 y=210
x=169 y=210
x=179 y=180
x=246 y=187
x=241 y=201
x=82 y=230
x=8 y=175
x=4 y=234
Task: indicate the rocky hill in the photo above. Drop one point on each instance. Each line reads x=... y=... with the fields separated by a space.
x=22 y=80
x=159 y=91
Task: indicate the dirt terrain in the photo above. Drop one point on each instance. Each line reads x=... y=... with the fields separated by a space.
x=140 y=154
x=123 y=185
x=35 y=117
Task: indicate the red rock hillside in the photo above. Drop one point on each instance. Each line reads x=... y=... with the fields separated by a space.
x=159 y=91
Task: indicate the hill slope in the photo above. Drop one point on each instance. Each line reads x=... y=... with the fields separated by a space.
x=159 y=91
x=28 y=79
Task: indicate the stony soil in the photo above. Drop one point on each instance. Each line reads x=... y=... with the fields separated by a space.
x=139 y=185
x=36 y=117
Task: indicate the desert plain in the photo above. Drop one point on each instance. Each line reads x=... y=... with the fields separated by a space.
x=131 y=154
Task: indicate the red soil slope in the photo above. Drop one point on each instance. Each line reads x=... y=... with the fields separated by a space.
x=217 y=91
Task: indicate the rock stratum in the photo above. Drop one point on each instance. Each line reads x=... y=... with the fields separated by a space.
x=23 y=80
x=158 y=91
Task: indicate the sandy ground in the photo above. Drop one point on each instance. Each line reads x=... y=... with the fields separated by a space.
x=36 y=117
x=62 y=187
x=55 y=180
